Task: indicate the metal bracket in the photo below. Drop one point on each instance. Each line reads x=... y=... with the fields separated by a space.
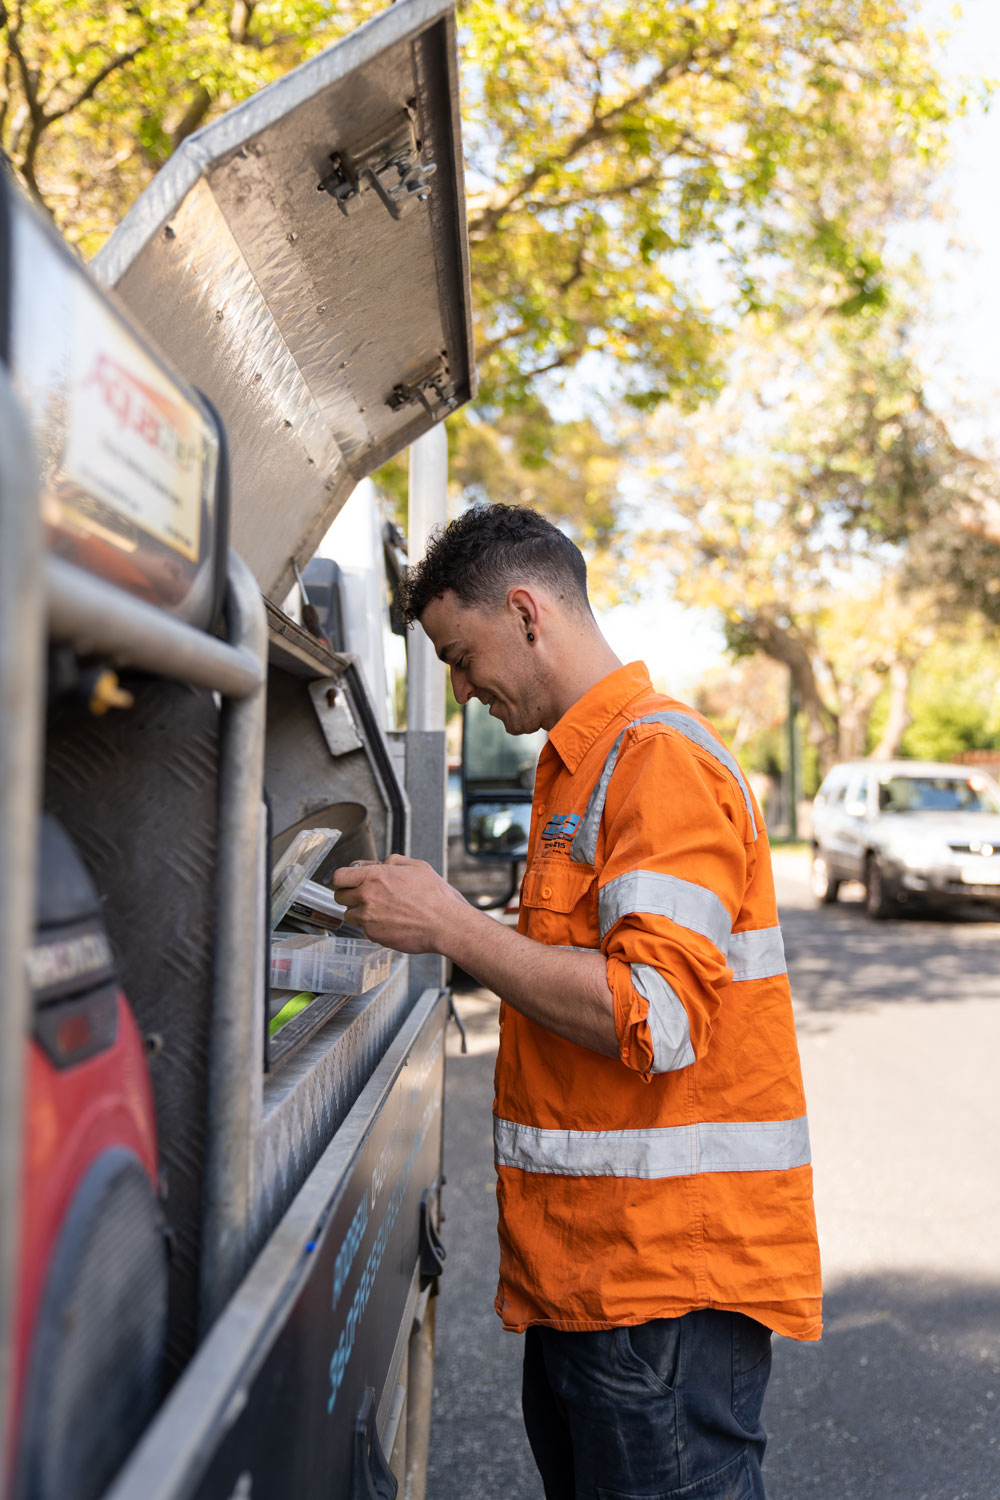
x=432 y=1252
x=434 y=385
x=372 y=1479
x=391 y=166
x=334 y=714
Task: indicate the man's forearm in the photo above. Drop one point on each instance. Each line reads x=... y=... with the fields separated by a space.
x=402 y=903
x=562 y=989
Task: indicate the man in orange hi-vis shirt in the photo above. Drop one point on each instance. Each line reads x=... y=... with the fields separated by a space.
x=652 y=1150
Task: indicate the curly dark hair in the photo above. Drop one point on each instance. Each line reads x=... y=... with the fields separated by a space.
x=489 y=549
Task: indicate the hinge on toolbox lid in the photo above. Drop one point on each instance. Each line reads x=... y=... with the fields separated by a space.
x=391 y=165
x=433 y=385
x=372 y=1479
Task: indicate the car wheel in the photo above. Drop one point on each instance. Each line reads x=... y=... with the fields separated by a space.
x=824 y=887
x=878 y=900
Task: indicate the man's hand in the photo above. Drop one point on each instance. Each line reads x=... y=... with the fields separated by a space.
x=403 y=903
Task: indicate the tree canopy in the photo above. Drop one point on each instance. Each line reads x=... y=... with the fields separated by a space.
x=639 y=176
x=96 y=94
x=818 y=507
x=643 y=176
x=656 y=191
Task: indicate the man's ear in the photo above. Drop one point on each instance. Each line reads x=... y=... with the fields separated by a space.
x=524 y=604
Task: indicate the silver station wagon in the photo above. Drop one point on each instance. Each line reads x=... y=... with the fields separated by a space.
x=916 y=832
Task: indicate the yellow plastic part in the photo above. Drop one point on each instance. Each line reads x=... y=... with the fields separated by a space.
x=108 y=693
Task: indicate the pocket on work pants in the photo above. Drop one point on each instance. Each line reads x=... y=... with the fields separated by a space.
x=751 y=1371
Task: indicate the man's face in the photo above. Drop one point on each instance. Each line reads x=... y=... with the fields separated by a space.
x=490 y=659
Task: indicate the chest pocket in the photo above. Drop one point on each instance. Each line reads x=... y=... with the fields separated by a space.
x=560 y=899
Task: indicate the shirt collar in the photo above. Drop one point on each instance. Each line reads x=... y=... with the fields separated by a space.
x=590 y=715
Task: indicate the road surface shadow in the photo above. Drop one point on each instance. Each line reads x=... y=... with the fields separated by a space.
x=478 y=1447
x=842 y=960
x=897 y=1402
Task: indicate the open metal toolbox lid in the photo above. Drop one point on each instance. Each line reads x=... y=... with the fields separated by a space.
x=303 y=261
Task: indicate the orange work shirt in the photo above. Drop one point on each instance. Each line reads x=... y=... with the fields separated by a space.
x=675 y=1176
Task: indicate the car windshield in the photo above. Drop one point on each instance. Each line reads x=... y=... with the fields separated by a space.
x=899 y=794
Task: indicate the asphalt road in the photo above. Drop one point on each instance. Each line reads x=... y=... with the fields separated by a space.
x=899 y=1026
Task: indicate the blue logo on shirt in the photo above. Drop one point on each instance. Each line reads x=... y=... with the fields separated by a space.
x=561 y=827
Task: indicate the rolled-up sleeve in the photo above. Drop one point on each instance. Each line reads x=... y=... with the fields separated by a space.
x=670 y=887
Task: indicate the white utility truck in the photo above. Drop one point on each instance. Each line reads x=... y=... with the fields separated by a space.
x=219 y=1185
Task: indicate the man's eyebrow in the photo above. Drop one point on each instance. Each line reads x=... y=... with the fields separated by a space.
x=446 y=651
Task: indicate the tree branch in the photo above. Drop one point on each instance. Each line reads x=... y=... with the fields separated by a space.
x=5 y=102
x=240 y=17
x=483 y=350
x=192 y=116
x=29 y=86
x=618 y=190
x=567 y=357
x=240 y=22
x=121 y=60
x=29 y=80
x=602 y=126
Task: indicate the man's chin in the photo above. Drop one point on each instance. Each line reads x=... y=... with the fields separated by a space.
x=512 y=721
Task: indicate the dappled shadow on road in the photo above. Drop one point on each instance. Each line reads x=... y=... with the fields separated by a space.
x=839 y=959
x=898 y=1402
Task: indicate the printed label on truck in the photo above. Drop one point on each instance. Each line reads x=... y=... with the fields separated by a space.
x=129 y=441
x=123 y=451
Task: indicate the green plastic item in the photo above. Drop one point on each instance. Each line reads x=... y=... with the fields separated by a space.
x=289 y=1011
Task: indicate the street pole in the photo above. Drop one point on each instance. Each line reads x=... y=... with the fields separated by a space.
x=793 y=778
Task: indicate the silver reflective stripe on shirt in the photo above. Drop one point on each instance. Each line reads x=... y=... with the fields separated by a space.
x=584 y=846
x=668 y=1020
x=672 y=1151
x=654 y=894
x=759 y=954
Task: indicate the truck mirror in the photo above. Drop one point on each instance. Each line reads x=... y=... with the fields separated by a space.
x=497 y=829
x=498 y=777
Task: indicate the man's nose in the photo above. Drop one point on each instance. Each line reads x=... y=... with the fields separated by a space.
x=461 y=686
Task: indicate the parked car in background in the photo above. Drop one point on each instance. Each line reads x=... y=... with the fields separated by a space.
x=915 y=832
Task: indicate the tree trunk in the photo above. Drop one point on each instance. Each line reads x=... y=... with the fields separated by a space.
x=781 y=644
x=852 y=732
x=900 y=717
x=856 y=711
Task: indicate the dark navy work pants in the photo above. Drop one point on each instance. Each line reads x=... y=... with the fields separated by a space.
x=667 y=1410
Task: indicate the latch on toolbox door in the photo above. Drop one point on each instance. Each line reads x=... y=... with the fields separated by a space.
x=391 y=166
x=434 y=385
x=432 y=1252
x=372 y=1478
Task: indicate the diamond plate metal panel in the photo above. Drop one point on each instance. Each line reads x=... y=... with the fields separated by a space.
x=308 y=1099
x=137 y=793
